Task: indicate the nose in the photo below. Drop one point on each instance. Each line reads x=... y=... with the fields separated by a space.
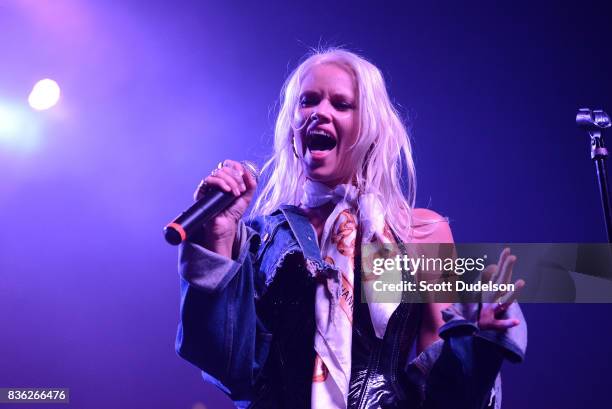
x=322 y=113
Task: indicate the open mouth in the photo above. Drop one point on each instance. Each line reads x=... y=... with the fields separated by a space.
x=319 y=140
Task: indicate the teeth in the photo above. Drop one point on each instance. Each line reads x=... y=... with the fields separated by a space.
x=320 y=140
x=319 y=132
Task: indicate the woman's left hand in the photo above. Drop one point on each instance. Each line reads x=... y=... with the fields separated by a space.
x=494 y=304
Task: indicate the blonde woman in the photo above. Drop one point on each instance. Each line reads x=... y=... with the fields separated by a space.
x=270 y=305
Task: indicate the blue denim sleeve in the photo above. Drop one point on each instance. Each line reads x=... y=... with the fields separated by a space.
x=462 y=369
x=512 y=343
x=217 y=331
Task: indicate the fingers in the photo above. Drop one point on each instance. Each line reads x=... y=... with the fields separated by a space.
x=492 y=314
x=504 y=274
x=244 y=177
x=502 y=257
x=489 y=272
x=249 y=180
x=501 y=325
x=493 y=271
x=229 y=179
x=199 y=190
x=489 y=319
x=229 y=176
x=505 y=269
x=506 y=300
x=500 y=273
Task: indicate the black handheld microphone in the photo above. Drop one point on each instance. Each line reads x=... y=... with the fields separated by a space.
x=208 y=206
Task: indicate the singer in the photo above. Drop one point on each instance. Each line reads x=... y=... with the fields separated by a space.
x=271 y=310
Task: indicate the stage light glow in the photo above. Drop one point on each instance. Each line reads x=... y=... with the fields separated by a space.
x=44 y=95
x=9 y=122
x=19 y=129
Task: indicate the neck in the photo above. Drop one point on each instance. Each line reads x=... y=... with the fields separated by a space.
x=333 y=183
x=318 y=216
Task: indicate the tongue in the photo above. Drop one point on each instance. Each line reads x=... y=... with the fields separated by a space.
x=319 y=149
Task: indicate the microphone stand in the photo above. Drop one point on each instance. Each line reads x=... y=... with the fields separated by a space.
x=594 y=122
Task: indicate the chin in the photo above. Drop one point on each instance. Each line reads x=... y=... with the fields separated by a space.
x=321 y=176
x=320 y=171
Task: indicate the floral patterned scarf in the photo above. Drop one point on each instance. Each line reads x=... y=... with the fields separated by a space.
x=334 y=294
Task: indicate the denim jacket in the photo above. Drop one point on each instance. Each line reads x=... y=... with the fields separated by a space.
x=230 y=328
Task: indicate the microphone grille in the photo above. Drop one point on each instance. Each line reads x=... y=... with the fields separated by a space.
x=251 y=167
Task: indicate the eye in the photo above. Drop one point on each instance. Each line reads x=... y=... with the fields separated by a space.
x=308 y=100
x=343 y=105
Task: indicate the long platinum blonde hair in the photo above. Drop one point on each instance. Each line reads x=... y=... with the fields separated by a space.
x=381 y=154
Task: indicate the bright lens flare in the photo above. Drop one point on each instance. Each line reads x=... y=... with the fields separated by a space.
x=19 y=128
x=44 y=95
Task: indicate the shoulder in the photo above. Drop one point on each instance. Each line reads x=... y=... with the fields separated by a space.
x=427 y=226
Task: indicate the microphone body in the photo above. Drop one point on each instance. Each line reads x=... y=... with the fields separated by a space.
x=213 y=202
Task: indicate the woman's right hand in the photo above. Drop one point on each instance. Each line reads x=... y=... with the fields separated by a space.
x=230 y=176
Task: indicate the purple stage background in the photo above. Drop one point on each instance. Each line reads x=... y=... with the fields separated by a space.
x=155 y=93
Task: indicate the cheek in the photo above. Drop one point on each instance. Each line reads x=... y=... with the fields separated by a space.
x=300 y=117
x=350 y=130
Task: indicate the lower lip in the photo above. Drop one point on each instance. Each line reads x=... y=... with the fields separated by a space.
x=319 y=154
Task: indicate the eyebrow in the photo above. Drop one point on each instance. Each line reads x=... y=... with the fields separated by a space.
x=341 y=95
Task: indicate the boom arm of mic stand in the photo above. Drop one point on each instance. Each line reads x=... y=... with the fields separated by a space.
x=594 y=122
